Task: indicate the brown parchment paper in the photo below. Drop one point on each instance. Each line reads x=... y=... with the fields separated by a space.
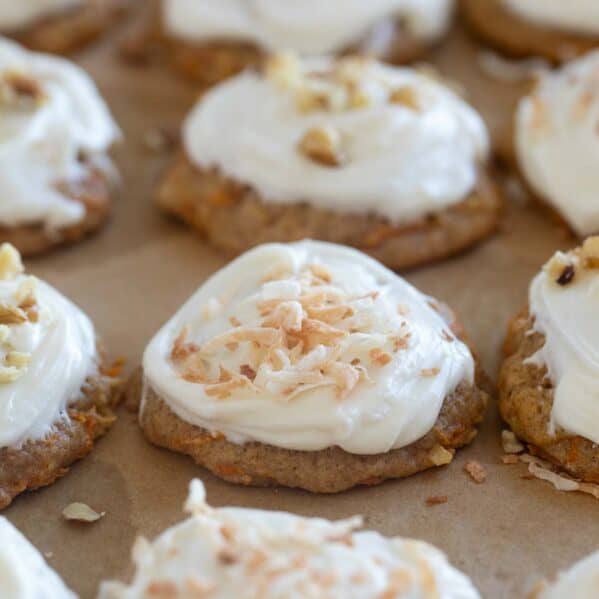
x=505 y=533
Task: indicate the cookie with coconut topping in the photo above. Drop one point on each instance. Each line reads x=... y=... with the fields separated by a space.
x=24 y=574
x=552 y=29
x=55 y=131
x=349 y=151
x=242 y=553
x=56 y=397
x=58 y=26
x=557 y=124
x=581 y=581
x=549 y=381
x=310 y=365
x=210 y=40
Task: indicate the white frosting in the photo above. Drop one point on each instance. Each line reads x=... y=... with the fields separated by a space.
x=389 y=405
x=567 y=316
x=23 y=572
x=558 y=144
x=15 y=14
x=40 y=145
x=241 y=553
x=580 y=582
x=61 y=347
x=401 y=164
x=579 y=16
x=307 y=26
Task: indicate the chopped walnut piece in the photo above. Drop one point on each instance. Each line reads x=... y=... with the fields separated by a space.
x=590 y=252
x=476 y=471
x=510 y=442
x=10 y=262
x=323 y=144
x=247 y=371
x=560 y=268
x=406 y=96
x=440 y=456
x=11 y=315
x=380 y=357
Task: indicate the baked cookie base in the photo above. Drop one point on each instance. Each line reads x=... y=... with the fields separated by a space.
x=95 y=192
x=232 y=217
x=526 y=400
x=72 y=29
x=496 y=26
x=328 y=471
x=39 y=463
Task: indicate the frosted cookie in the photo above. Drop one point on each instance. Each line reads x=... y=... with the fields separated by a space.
x=554 y=29
x=310 y=365
x=55 y=396
x=549 y=388
x=242 y=553
x=24 y=573
x=55 y=131
x=58 y=26
x=579 y=582
x=210 y=40
x=349 y=151
x=557 y=144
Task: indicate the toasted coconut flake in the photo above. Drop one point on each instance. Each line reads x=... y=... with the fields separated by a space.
x=263 y=336
x=380 y=357
x=10 y=315
x=590 y=252
x=9 y=374
x=430 y=372
x=436 y=500
x=81 y=512
x=10 y=262
x=405 y=96
x=440 y=456
x=476 y=471
x=510 y=442
x=287 y=316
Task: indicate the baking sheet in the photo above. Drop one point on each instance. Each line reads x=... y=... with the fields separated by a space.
x=505 y=533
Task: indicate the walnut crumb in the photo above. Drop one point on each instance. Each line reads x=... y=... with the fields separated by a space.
x=440 y=456
x=590 y=252
x=323 y=144
x=436 y=500
x=476 y=471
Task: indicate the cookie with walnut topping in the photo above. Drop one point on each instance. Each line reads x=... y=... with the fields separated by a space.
x=348 y=151
x=549 y=379
x=310 y=365
x=56 y=394
x=59 y=26
x=552 y=29
x=57 y=180
x=208 y=41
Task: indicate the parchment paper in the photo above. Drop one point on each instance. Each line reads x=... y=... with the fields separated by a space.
x=505 y=533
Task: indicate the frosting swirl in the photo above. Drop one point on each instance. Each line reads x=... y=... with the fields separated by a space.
x=50 y=116
x=15 y=15
x=579 y=582
x=557 y=142
x=307 y=346
x=566 y=314
x=578 y=16
x=410 y=146
x=306 y=26
x=23 y=572
x=235 y=552
x=47 y=351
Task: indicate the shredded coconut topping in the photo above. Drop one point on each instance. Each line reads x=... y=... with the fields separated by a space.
x=310 y=333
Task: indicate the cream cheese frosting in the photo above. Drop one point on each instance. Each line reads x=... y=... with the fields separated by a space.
x=410 y=145
x=16 y=14
x=566 y=314
x=23 y=572
x=242 y=553
x=47 y=351
x=579 y=582
x=578 y=16
x=306 y=346
x=307 y=26
x=50 y=115
x=557 y=141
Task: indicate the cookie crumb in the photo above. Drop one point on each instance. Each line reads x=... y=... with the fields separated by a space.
x=510 y=442
x=323 y=144
x=81 y=512
x=436 y=500
x=476 y=471
x=440 y=456
x=510 y=459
